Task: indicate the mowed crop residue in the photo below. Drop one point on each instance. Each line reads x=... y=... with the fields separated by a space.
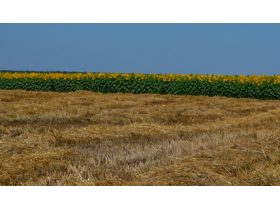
x=90 y=138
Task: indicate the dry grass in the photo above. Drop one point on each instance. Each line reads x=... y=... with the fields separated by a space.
x=87 y=138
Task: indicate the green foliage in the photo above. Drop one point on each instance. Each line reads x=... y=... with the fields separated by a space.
x=151 y=85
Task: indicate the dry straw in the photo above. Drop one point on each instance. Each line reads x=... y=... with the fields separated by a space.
x=87 y=138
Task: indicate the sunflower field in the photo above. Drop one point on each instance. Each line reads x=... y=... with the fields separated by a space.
x=238 y=86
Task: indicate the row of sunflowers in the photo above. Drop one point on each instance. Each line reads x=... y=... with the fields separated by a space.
x=240 y=86
x=254 y=79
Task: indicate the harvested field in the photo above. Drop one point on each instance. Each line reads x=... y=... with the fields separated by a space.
x=89 y=138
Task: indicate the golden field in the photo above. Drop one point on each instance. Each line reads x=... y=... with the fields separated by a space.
x=90 y=138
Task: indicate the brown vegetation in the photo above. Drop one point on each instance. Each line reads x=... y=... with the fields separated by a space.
x=88 y=138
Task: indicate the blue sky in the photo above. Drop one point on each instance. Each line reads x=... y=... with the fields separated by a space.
x=183 y=48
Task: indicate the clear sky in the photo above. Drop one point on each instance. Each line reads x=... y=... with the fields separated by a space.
x=183 y=48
